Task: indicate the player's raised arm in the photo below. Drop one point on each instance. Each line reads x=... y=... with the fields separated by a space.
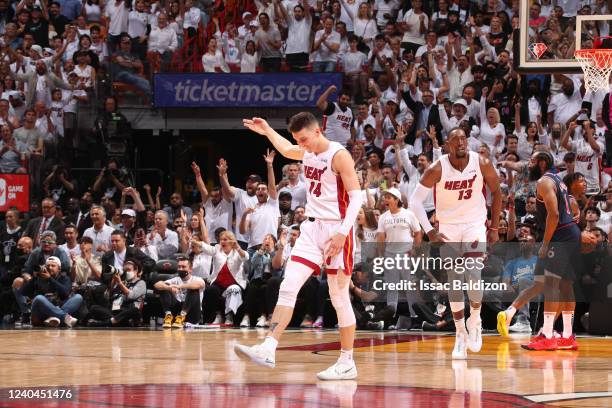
x=430 y=177
x=492 y=181
x=284 y=147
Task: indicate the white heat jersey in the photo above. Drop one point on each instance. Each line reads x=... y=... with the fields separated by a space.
x=326 y=198
x=337 y=125
x=459 y=196
x=587 y=162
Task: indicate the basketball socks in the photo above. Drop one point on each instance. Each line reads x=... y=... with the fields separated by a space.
x=346 y=356
x=183 y=313
x=510 y=312
x=460 y=325
x=549 y=322
x=475 y=312
x=270 y=343
x=568 y=321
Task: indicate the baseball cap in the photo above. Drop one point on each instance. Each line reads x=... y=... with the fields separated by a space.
x=461 y=102
x=394 y=192
x=254 y=177
x=37 y=48
x=283 y=194
x=54 y=259
x=245 y=14
x=254 y=23
x=129 y=212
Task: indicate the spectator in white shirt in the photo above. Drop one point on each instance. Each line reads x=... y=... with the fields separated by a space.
x=298 y=39
x=165 y=240
x=263 y=219
x=218 y=209
x=117 y=12
x=353 y=63
x=163 y=42
x=192 y=18
x=293 y=185
x=326 y=46
x=250 y=58
x=138 y=20
x=213 y=60
x=414 y=25
x=243 y=30
x=100 y=233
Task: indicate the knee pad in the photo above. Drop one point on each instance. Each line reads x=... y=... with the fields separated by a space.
x=295 y=276
x=341 y=301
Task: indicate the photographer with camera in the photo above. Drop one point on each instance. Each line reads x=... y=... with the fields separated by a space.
x=111 y=181
x=59 y=185
x=126 y=300
x=49 y=290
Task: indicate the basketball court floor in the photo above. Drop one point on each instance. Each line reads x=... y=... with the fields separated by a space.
x=179 y=368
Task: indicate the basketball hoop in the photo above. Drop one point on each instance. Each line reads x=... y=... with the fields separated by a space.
x=597 y=66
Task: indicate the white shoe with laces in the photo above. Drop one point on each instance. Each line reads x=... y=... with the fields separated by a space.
x=460 y=349
x=342 y=370
x=257 y=354
x=52 y=322
x=474 y=328
x=246 y=322
x=261 y=322
x=218 y=319
x=70 y=321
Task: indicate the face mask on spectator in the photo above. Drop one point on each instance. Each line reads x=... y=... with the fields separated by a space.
x=129 y=275
x=183 y=274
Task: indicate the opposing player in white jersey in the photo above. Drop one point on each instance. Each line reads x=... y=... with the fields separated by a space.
x=326 y=237
x=458 y=179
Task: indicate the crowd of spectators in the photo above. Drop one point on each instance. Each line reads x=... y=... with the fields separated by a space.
x=105 y=256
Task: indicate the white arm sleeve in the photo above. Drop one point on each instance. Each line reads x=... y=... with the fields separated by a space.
x=419 y=195
x=355 y=203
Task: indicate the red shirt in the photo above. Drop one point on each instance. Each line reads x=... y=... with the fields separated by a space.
x=225 y=278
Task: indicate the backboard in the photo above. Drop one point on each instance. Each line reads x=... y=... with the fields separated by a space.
x=547 y=45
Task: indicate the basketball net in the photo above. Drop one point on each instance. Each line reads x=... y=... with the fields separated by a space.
x=597 y=66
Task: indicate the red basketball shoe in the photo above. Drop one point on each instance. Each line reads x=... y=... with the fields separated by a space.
x=541 y=343
x=567 y=343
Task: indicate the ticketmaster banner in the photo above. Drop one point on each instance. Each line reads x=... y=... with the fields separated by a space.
x=279 y=90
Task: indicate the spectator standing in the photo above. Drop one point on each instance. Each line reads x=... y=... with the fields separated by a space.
x=292 y=184
x=262 y=219
x=242 y=199
x=268 y=40
x=218 y=209
x=298 y=39
x=326 y=47
x=338 y=116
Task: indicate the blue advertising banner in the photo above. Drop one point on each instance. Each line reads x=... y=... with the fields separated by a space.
x=281 y=90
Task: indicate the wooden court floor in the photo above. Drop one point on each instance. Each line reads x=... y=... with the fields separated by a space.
x=155 y=368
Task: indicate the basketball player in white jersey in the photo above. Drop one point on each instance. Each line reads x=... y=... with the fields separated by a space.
x=458 y=180
x=338 y=116
x=326 y=237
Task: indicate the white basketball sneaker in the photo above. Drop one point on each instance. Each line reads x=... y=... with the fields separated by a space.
x=460 y=349
x=340 y=371
x=257 y=354
x=474 y=328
